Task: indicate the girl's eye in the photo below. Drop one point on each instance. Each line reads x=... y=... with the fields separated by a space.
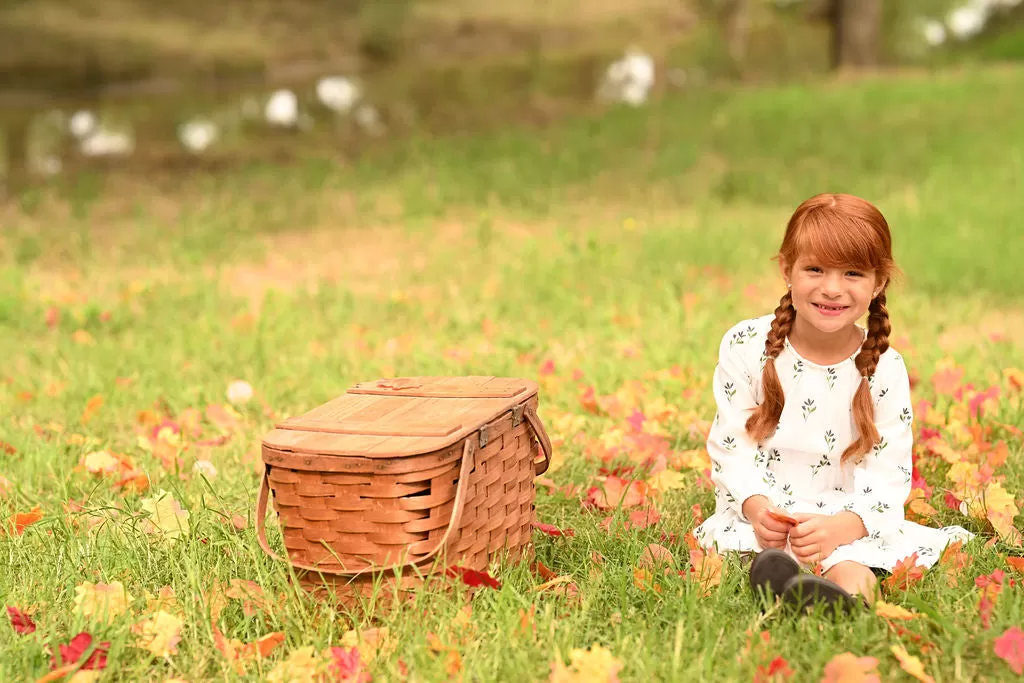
x=814 y=269
x=854 y=273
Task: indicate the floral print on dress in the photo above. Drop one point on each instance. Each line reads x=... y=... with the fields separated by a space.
x=798 y=467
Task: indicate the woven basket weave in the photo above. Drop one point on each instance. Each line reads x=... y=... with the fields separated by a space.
x=399 y=476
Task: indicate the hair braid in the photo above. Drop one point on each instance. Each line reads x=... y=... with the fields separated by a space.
x=876 y=343
x=765 y=419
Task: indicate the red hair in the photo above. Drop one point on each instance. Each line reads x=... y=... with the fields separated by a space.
x=838 y=230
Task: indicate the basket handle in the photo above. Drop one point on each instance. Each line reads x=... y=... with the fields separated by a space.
x=460 y=500
x=545 y=442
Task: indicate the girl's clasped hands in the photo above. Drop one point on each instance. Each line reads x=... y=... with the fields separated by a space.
x=811 y=537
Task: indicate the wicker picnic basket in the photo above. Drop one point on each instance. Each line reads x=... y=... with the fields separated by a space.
x=397 y=477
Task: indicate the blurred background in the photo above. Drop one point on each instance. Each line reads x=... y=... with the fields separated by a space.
x=131 y=86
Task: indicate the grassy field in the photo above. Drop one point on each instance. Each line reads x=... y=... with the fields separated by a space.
x=608 y=254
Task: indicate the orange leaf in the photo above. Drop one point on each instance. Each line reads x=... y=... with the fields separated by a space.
x=92 y=406
x=906 y=573
x=706 y=567
x=954 y=559
x=947 y=380
x=912 y=665
x=887 y=611
x=616 y=492
x=1016 y=562
x=849 y=668
x=24 y=519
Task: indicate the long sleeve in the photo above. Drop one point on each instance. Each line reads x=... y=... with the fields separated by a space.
x=739 y=468
x=882 y=479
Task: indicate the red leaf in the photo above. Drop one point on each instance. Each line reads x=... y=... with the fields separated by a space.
x=1010 y=648
x=952 y=502
x=552 y=530
x=21 y=622
x=73 y=651
x=346 y=667
x=777 y=668
x=473 y=578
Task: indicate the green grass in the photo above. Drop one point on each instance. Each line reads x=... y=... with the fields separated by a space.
x=647 y=229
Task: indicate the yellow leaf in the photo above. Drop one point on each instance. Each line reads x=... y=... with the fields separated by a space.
x=101 y=601
x=1000 y=509
x=695 y=459
x=888 y=611
x=301 y=666
x=166 y=517
x=667 y=480
x=370 y=642
x=596 y=665
x=100 y=462
x=159 y=634
x=1015 y=377
x=912 y=665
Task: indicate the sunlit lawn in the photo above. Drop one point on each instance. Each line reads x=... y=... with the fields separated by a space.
x=604 y=256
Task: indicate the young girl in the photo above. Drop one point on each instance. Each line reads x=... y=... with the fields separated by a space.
x=811 y=446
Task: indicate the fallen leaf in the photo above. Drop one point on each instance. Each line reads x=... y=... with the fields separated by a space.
x=101 y=601
x=301 y=666
x=23 y=519
x=1016 y=562
x=706 y=568
x=239 y=654
x=615 y=492
x=21 y=622
x=912 y=665
x=906 y=573
x=251 y=594
x=1010 y=648
x=82 y=337
x=849 y=668
x=551 y=530
x=595 y=665
x=159 y=634
x=224 y=417
x=92 y=406
x=775 y=670
x=346 y=666
x=166 y=518
x=654 y=555
x=71 y=653
x=473 y=578
x=101 y=462
x=888 y=611
x=5 y=485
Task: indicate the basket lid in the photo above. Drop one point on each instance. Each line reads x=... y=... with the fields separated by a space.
x=400 y=416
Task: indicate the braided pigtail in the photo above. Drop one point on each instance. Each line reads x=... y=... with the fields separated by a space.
x=763 y=421
x=876 y=343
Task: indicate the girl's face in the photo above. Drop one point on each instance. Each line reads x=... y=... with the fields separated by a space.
x=827 y=297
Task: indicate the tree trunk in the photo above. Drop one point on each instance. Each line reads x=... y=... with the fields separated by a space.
x=734 y=19
x=856 y=25
x=16 y=129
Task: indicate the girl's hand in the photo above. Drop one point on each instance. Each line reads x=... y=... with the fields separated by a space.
x=770 y=532
x=815 y=537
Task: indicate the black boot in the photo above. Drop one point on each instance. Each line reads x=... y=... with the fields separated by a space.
x=770 y=571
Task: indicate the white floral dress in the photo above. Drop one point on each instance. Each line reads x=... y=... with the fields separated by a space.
x=798 y=467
